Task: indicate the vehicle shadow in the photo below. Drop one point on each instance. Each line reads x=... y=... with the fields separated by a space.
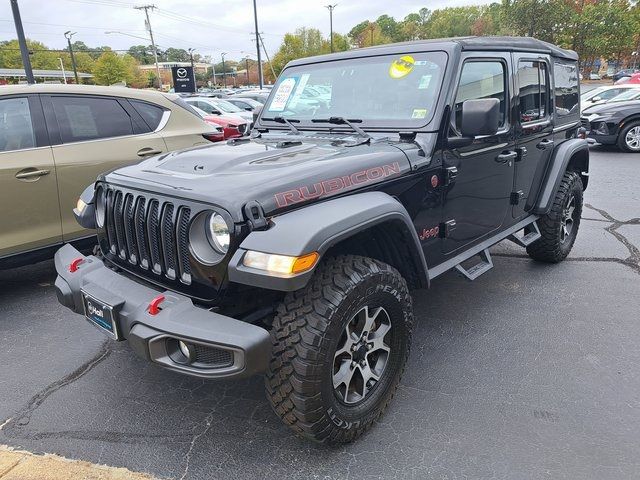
x=18 y=281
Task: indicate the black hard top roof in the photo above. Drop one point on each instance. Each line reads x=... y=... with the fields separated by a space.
x=510 y=44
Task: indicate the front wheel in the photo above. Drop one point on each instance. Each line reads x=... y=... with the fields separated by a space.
x=629 y=138
x=340 y=346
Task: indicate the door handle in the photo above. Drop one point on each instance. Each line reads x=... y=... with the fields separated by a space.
x=145 y=152
x=27 y=174
x=544 y=144
x=505 y=157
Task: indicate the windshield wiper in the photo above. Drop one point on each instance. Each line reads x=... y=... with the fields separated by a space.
x=344 y=121
x=288 y=122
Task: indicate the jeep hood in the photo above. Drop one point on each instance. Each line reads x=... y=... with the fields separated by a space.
x=277 y=174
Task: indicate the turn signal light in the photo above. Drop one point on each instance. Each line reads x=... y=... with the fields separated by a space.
x=280 y=264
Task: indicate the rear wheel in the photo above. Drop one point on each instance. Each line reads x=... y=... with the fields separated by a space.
x=339 y=349
x=560 y=226
x=629 y=138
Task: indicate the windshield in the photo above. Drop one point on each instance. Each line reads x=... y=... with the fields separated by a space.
x=631 y=94
x=227 y=107
x=388 y=90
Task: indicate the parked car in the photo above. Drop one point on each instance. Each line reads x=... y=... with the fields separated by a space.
x=257 y=95
x=215 y=106
x=56 y=138
x=634 y=79
x=603 y=94
x=232 y=127
x=594 y=76
x=616 y=123
x=627 y=72
x=244 y=103
x=293 y=253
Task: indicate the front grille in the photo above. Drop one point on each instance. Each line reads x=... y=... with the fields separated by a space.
x=150 y=233
x=212 y=357
x=585 y=123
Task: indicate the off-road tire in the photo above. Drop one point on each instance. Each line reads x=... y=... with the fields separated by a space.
x=305 y=335
x=622 y=143
x=550 y=248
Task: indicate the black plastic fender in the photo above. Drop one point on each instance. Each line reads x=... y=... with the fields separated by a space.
x=318 y=227
x=87 y=217
x=557 y=167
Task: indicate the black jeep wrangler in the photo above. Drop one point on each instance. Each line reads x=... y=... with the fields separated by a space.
x=292 y=253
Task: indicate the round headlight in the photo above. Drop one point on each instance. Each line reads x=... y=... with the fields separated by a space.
x=101 y=206
x=218 y=233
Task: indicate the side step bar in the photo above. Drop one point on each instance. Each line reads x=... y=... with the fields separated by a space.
x=483 y=266
x=530 y=229
x=531 y=234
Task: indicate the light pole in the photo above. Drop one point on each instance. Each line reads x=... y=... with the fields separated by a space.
x=255 y=18
x=24 y=51
x=224 y=70
x=68 y=34
x=330 y=8
x=64 y=76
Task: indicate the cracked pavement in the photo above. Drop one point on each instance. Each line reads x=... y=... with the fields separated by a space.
x=532 y=371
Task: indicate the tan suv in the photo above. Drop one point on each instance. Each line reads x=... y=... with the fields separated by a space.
x=56 y=139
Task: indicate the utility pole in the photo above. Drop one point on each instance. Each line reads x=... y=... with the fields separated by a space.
x=246 y=60
x=193 y=70
x=64 y=75
x=68 y=36
x=331 y=7
x=24 y=51
x=255 y=18
x=213 y=72
x=146 y=9
x=224 y=70
x=268 y=59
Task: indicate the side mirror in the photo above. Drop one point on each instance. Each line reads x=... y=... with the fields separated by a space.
x=479 y=117
x=596 y=99
x=248 y=109
x=256 y=113
x=215 y=112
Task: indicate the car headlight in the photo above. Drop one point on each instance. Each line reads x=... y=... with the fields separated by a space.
x=218 y=233
x=101 y=206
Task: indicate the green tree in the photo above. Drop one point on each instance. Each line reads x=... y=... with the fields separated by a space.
x=304 y=42
x=109 y=69
x=177 y=55
x=41 y=57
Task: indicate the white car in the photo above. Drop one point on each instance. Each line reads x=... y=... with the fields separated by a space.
x=603 y=94
x=216 y=106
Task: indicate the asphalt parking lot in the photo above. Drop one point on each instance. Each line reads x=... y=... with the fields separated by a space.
x=530 y=372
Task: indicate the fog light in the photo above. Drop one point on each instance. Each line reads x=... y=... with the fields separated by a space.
x=184 y=348
x=601 y=128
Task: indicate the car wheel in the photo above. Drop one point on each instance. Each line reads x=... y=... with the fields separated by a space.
x=629 y=138
x=340 y=346
x=559 y=227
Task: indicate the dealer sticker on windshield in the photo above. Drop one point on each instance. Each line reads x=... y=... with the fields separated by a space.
x=419 y=113
x=282 y=95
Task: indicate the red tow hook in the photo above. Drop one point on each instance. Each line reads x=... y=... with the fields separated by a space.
x=154 y=305
x=75 y=264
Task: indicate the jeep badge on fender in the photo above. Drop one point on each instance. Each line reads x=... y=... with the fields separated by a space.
x=292 y=254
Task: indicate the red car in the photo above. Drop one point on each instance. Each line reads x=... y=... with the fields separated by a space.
x=634 y=78
x=217 y=135
x=231 y=127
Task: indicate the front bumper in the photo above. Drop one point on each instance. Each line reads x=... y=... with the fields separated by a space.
x=246 y=346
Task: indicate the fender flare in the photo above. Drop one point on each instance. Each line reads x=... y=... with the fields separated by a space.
x=318 y=227
x=557 y=167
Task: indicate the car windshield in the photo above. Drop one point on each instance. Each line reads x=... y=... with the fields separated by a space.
x=227 y=107
x=385 y=91
x=631 y=94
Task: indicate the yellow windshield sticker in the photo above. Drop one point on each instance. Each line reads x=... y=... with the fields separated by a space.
x=401 y=67
x=419 y=113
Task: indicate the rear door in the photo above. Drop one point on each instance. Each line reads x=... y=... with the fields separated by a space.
x=28 y=191
x=477 y=201
x=534 y=129
x=92 y=135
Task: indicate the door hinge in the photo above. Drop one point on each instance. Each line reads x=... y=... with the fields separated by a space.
x=450 y=174
x=522 y=152
x=446 y=228
x=516 y=196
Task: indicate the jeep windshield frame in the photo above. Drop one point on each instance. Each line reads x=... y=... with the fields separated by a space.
x=399 y=91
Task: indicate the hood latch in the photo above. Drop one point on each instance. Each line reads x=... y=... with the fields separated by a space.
x=255 y=215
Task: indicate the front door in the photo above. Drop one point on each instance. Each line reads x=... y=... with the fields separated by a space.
x=477 y=200
x=28 y=190
x=534 y=130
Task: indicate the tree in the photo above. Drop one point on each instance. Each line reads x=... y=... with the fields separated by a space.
x=304 y=42
x=111 y=68
x=177 y=55
x=142 y=53
x=41 y=57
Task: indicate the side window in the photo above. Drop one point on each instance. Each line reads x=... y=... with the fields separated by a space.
x=90 y=118
x=16 y=129
x=534 y=90
x=566 y=89
x=478 y=80
x=151 y=114
x=609 y=94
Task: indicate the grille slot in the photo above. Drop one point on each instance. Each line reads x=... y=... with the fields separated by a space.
x=150 y=233
x=584 y=122
x=212 y=357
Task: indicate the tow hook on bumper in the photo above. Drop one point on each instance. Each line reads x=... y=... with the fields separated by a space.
x=181 y=336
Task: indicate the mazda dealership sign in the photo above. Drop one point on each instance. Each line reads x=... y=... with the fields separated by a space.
x=183 y=79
